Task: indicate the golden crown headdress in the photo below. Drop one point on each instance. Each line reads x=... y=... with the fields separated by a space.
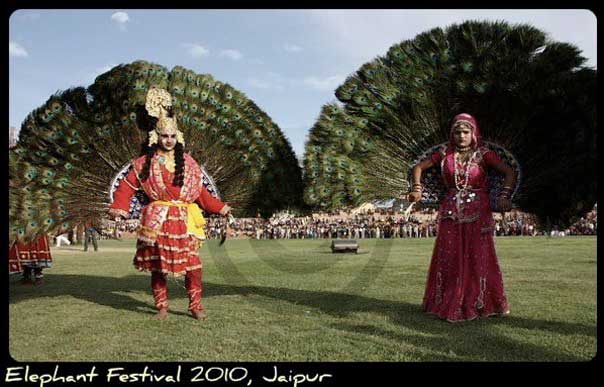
x=157 y=103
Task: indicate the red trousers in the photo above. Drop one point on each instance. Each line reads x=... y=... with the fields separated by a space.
x=159 y=284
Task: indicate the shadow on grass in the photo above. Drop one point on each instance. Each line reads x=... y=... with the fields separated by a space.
x=106 y=291
x=464 y=339
x=477 y=339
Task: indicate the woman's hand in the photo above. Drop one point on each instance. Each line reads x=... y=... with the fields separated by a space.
x=414 y=196
x=226 y=210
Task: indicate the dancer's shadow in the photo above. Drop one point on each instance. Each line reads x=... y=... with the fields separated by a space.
x=427 y=331
x=107 y=291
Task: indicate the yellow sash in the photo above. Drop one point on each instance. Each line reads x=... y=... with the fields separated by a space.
x=195 y=219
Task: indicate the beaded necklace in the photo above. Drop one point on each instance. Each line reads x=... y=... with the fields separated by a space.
x=461 y=182
x=466 y=173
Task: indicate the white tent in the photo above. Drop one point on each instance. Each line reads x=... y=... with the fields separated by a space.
x=365 y=207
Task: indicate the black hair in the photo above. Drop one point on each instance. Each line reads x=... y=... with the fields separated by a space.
x=149 y=155
x=179 y=160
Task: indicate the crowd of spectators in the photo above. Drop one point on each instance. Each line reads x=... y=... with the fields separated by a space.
x=379 y=223
x=327 y=226
x=516 y=223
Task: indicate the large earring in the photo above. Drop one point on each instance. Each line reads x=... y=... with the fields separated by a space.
x=153 y=138
x=180 y=138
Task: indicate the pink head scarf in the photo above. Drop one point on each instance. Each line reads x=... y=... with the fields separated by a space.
x=467 y=118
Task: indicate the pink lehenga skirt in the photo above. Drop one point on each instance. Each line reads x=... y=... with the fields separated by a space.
x=464 y=279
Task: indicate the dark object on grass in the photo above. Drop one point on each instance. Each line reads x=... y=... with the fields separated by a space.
x=344 y=246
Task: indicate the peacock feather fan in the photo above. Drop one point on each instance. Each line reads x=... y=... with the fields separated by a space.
x=533 y=97
x=71 y=149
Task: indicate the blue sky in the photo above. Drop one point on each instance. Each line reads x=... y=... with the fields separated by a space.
x=288 y=61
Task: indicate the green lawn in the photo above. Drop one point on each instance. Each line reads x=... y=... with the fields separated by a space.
x=295 y=301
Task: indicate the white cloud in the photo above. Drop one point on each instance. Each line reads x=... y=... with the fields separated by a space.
x=121 y=18
x=196 y=50
x=257 y=83
x=275 y=81
x=231 y=54
x=266 y=84
x=16 y=50
x=270 y=81
x=292 y=48
x=324 y=84
x=361 y=35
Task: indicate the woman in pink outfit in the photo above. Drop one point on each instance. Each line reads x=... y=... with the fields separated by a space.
x=464 y=279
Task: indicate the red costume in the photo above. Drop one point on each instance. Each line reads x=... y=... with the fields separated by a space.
x=464 y=279
x=167 y=243
x=24 y=257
